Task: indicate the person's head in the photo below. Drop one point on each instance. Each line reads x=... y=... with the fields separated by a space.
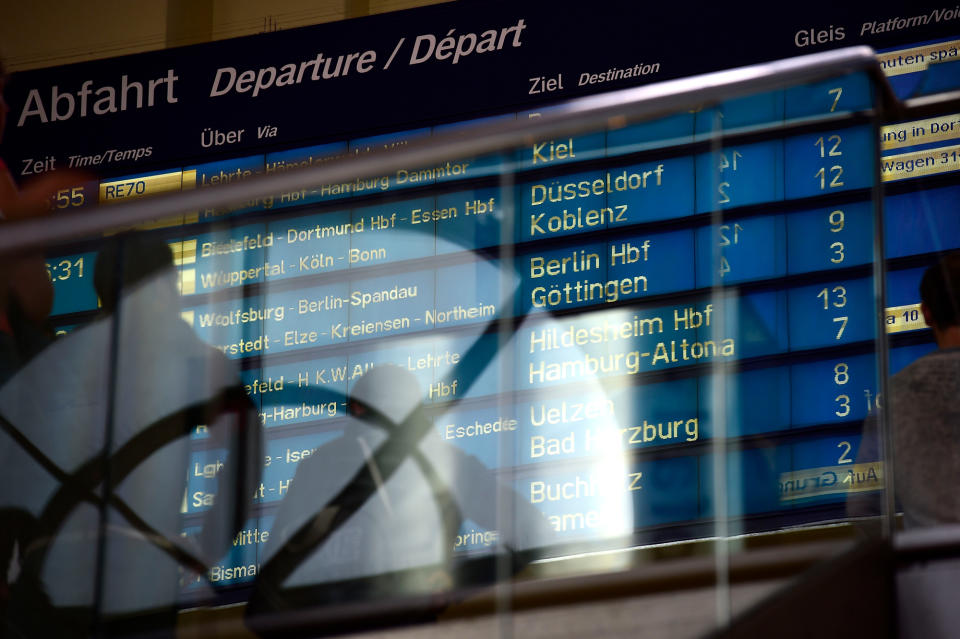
x=142 y=257
x=385 y=395
x=940 y=296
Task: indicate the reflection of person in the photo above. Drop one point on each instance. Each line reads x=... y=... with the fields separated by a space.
x=135 y=382
x=26 y=293
x=26 y=298
x=399 y=535
x=924 y=406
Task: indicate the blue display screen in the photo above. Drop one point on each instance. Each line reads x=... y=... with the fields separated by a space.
x=584 y=316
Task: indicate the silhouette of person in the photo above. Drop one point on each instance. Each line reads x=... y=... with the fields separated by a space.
x=924 y=414
x=26 y=292
x=924 y=420
x=376 y=512
x=924 y=405
x=95 y=434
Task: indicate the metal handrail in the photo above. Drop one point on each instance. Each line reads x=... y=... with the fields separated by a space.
x=613 y=109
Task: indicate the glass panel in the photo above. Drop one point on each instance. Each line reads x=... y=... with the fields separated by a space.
x=393 y=389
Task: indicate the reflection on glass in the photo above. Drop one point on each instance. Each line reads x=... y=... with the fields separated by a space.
x=97 y=430
x=595 y=343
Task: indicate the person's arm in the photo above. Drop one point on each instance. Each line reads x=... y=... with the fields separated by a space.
x=238 y=430
x=481 y=495
x=30 y=286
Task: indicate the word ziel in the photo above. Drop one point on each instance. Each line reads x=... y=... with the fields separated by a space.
x=543 y=84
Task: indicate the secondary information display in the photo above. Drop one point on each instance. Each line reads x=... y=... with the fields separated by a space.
x=609 y=284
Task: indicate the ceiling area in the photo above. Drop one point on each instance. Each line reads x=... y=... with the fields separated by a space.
x=45 y=33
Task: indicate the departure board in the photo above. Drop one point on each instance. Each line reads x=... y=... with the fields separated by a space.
x=598 y=407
